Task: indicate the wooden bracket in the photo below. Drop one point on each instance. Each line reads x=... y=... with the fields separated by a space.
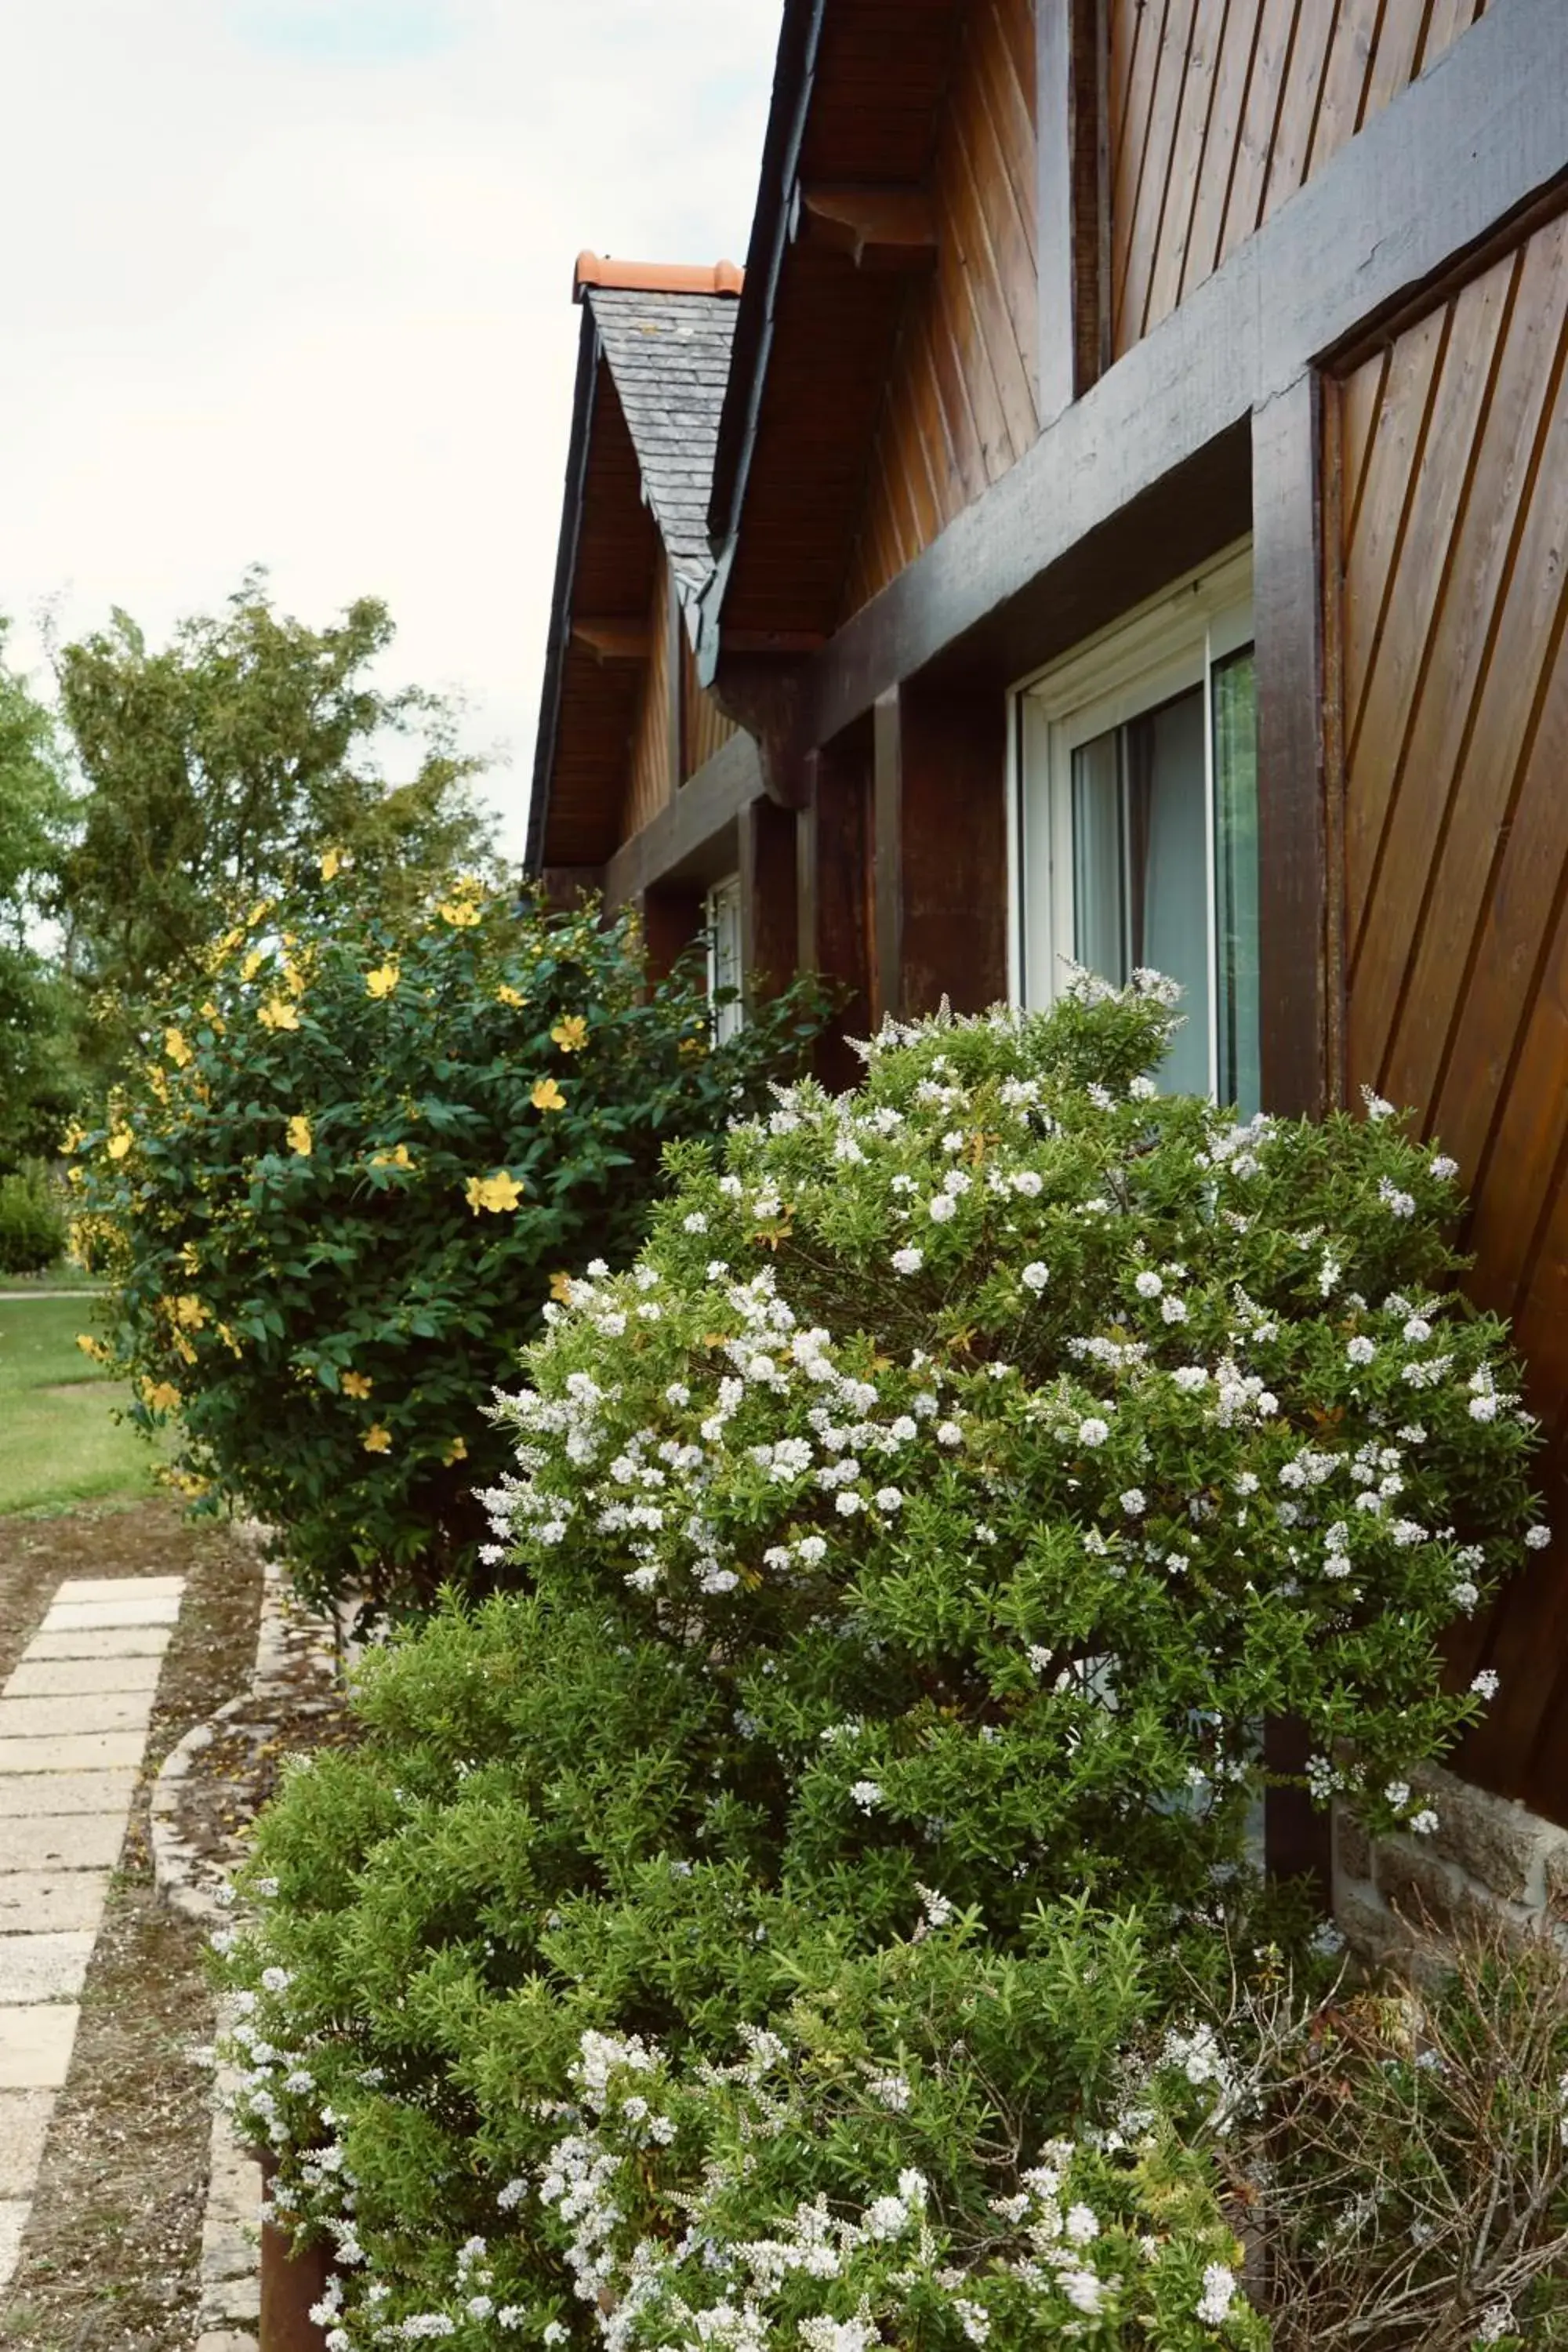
x=884 y=229
x=613 y=640
x=763 y=696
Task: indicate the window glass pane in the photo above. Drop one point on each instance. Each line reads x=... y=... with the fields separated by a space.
x=1100 y=914
x=724 y=955
x=1169 y=872
x=1140 y=866
x=1236 y=878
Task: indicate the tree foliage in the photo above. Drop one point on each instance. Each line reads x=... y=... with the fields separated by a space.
x=213 y=766
x=38 y=1076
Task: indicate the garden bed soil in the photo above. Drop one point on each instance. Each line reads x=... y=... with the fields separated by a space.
x=109 y=2262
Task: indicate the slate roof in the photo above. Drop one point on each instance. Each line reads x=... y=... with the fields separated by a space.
x=670 y=356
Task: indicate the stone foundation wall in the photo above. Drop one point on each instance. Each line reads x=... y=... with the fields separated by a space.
x=1487 y=1858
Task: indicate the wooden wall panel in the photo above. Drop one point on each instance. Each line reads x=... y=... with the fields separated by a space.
x=651 y=783
x=1222 y=109
x=1454 y=603
x=705 y=728
x=963 y=400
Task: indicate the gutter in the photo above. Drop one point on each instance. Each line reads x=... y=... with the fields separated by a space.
x=773 y=230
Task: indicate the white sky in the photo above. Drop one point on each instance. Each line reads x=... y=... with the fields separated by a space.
x=289 y=281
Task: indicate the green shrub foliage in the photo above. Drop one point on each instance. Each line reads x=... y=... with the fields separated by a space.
x=767 y=1931
x=32 y=1222
x=335 y=1196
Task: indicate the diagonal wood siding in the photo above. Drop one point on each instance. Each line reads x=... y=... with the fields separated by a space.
x=963 y=402
x=705 y=728
x=1222 y=109
x=1454 y=600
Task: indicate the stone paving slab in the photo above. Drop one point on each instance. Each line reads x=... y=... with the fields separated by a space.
x=24 y=2125
x=13 y=2221
x=108 y=1616
x=83 y=1677
x=55 y=1841
x=36 y=2046
x=70 y=1751
x=120 y=1588
x=34 y=1718
x=227 y=2340
x=66 y=1793
x=47 y=1967
x=35 y=1900
x=116 y=1642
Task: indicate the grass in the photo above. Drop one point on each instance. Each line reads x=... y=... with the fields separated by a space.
x=59 y=1440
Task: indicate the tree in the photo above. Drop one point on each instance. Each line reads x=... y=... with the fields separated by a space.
x=216 y=766
x=38 y=1078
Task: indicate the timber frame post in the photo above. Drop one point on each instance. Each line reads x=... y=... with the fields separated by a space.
x=833 y=868
x=940 y=861
x=770 y=916
x=1300 y=910
x=1072 y=57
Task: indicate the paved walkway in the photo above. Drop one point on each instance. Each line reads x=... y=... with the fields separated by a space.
x=73 y=1727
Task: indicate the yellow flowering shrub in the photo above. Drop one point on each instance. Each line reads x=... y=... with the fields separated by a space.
x=334 y=1202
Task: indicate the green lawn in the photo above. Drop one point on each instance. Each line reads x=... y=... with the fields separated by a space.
x=59 y=1442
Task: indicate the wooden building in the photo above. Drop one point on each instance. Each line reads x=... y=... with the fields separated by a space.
x=1134 y=526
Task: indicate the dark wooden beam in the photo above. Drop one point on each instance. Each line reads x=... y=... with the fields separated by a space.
x=563 y=887
x=770 y=915
x=693 y=839
x=888 y=229
x=1377 y=228
x=1300 y=884
x=940 y=861
x=833 y=877
x=672 y=919
x=1072 y=46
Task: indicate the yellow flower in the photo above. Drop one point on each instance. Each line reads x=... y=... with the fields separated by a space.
x=189 y=1312
x=176 y=1047
x=377 y=1440
x=456 y=1452
x=278 y=1013
x=229 y=1341
x=383 y=980
x=357 y=1384
x=693 y=1048
x=493 y=1192
x=119 y=1142
x=159 y=1396
x=210 y=1013
x=460 y=912
x=184 y=1350
x=571 y=1035
x=547 y=1096
x=71 y=1140
x=190 y=1257
x=331 y=865
x=560 y=1288
x=157 y=1081
x=300 y=1136
x=401 y=1158
x=92 y=1347
x=253 y=963
x=513 y=996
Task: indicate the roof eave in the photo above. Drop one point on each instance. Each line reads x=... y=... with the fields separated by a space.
x=577 y=458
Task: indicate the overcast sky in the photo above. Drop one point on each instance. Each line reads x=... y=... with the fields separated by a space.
x=289 y=281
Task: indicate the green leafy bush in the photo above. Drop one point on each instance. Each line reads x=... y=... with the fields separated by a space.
x=917 y=1537
x=32 y=1224
x=334 y=1198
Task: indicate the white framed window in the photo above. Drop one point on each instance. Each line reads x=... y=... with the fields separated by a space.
x=722 y=920
x=1133 y=821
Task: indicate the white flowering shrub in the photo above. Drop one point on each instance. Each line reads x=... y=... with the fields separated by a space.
x=765 y=1931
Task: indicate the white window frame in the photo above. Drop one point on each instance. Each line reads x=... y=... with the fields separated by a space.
x=1157 y=651
x=722 y=922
